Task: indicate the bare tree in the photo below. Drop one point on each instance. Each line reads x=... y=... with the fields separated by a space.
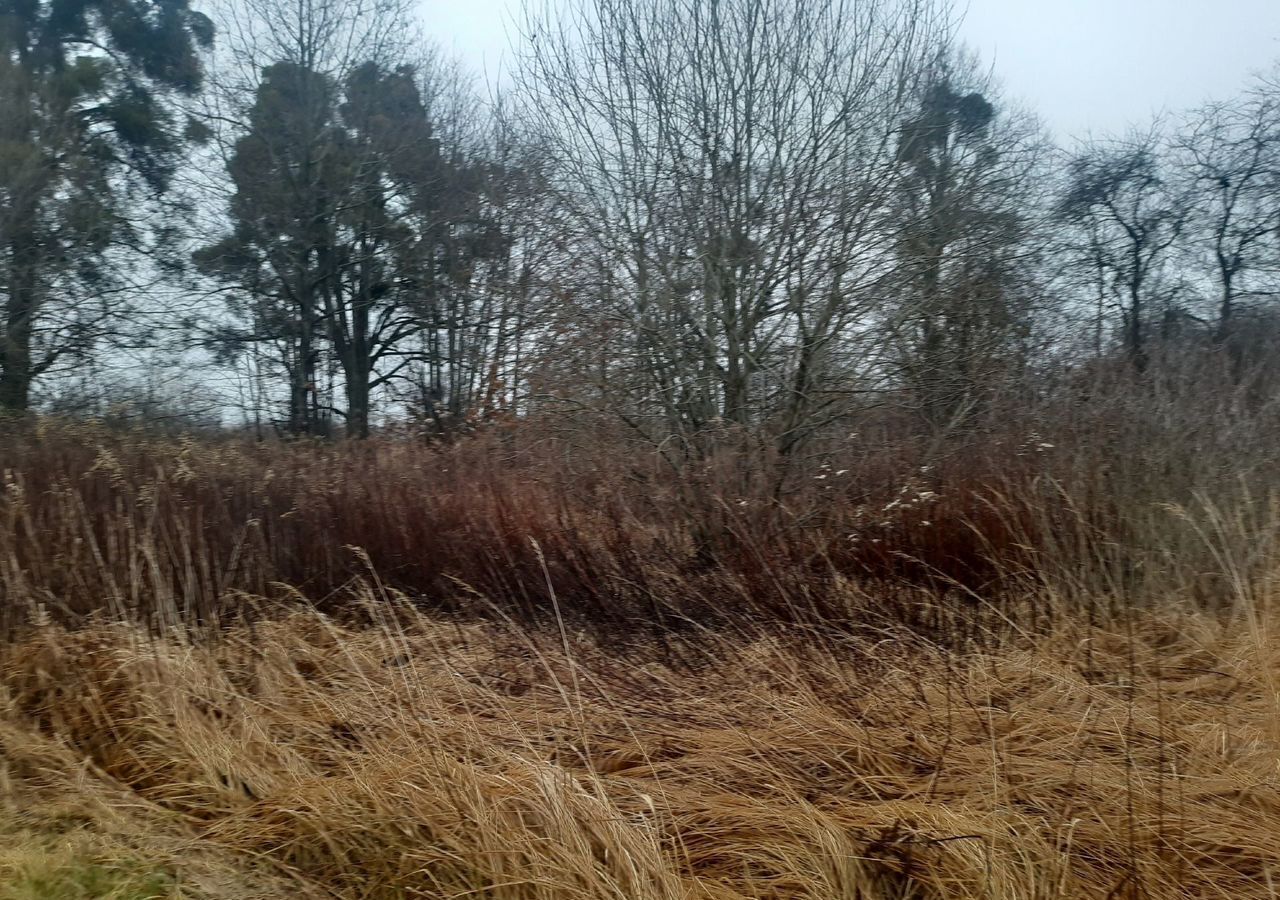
x=720 y=170
x=1128 y=219
x=1230 y=155
x=476 y=320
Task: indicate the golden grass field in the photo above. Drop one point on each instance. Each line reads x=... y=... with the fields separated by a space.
x=367 y=746
x=421 y=758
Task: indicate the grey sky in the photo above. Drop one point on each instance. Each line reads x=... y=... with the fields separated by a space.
x=1080 y=64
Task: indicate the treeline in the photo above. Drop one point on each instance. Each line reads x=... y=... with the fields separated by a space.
x=681 y=215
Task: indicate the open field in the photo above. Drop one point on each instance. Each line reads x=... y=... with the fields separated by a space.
x=391 y=671
x=422 y=758
x=708 y=450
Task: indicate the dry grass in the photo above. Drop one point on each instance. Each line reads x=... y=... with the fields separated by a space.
x=424 y=758
x=528 y=667
x=865 y=536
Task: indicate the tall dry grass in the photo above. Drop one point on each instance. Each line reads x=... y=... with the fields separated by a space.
x=1123 y=501
x=1032 y=660
x=422 y=757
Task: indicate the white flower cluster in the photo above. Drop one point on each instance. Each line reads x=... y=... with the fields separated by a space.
x=825 y=471
x=911 y=495
x=1034 y=444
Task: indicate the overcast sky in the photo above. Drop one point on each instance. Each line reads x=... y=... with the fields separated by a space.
x=1082 y=65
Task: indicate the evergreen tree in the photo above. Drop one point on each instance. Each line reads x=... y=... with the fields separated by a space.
x=84 y=123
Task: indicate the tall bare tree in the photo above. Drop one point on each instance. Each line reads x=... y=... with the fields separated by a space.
x=721 y=167
x=1128 y=217
x=968 y=219
x=1230 y=155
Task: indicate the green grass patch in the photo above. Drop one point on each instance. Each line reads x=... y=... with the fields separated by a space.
x=37 y=869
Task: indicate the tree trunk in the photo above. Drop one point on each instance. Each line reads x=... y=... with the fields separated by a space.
x=15 y=377
x=349 y=331
x=15 y=345
x=357 y=406
x=357 y=369
x=1226 y=305
x=1133 y=327
x=302 y=383
x=300 y=387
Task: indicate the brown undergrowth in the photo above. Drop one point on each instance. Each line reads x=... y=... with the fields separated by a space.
x=863 y=536
x=1027 y=664
x=177 y=530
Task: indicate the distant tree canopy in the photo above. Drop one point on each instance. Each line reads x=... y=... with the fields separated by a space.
x=1130 y=219
x=693 y=219
x=348 y=223
x=84 y=130
x=965 y=214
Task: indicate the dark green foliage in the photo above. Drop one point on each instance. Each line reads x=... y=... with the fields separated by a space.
x=83 y=120
x=347 y=222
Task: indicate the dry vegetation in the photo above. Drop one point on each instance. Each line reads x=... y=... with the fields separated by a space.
x=525 y=666
x=420 y=758
x=772 y=469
